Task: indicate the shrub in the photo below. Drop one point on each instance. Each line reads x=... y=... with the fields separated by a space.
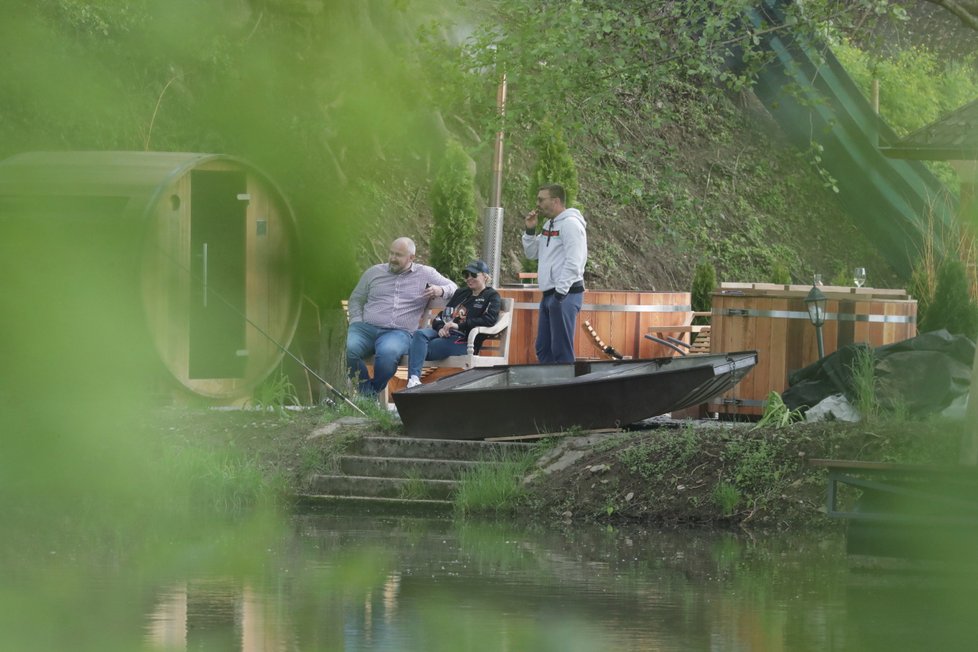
x=952 y=307
x=704 y=283
x=554 y=164
x=780 y=274
x=453 y=209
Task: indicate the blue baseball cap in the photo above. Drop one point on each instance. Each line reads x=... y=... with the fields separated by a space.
x=477 y=266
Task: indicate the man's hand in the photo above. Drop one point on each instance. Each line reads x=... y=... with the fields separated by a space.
x=433 y=291
x=446 y=330
x=530 y=221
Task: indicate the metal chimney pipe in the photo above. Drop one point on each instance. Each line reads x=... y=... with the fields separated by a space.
x=493 y=224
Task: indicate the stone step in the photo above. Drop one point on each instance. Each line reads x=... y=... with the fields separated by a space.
x=405 y=467
x=377 y=487
x=373 y=504
x=440 y=449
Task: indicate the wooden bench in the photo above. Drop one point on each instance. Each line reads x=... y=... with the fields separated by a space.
x=700 y=334
x=494 y=351
x=903 y=491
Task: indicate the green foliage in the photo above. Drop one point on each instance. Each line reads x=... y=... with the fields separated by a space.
x=842 y=275
x=726 y=497
x=921 y=287
x=863 y=370
x=915 y=86
x=494 y=487
x=757 y=468
x=780 y=273
x=777 y=414
x=704 y=283
x=651 y=458
x=554 y=163
x=275 y=393
x=952 y=307
x=414 y=487
x=455 y=216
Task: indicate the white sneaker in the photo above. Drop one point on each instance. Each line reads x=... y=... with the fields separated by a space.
x=413 y=381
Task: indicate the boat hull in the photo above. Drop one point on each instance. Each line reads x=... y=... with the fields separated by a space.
x=518 y=400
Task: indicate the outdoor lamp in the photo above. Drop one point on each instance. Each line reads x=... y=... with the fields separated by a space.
x=815 y=301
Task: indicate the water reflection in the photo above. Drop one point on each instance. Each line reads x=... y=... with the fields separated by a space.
x=350 y=583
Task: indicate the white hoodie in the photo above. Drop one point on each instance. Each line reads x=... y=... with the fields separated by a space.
x=561 y=249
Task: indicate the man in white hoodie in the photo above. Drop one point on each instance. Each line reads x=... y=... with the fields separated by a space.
x=561 y=249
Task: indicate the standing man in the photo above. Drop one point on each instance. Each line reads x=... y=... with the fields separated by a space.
x=561 y=249
x=385 y=308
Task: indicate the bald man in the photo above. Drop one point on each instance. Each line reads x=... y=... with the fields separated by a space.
x=385 y=308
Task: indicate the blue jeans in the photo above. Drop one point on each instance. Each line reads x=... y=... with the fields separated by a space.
x=426 y=345
x=387 y=346
x=555 y=330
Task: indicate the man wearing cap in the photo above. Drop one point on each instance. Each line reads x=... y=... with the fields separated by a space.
x=385 y=308
x=561 y=249
x=477 y=304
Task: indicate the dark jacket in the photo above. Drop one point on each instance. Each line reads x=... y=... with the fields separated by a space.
x=469 y=311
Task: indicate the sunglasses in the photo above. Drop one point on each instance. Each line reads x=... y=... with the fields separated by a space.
x=468 y=274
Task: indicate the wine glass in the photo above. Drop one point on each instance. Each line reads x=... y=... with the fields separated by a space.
x=859 y=276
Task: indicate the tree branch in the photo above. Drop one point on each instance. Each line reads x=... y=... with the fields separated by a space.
x=965 y=10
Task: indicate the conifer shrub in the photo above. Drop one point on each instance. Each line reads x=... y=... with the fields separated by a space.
x=704 y=283
x=454 y=212
x=554 y=165
x=780 y=273
x=952 y=307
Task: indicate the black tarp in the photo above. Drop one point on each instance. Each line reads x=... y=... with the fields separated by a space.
x=923 y=374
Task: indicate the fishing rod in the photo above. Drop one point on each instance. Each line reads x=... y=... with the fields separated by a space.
x=261 y=331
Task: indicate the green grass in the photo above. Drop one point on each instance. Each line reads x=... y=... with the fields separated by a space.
x=493 y=487
x=414 y=487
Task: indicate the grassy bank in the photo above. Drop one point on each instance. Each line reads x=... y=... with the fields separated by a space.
x=704 y=473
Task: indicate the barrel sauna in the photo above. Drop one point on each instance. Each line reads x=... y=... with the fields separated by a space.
x=209 y=242
x=621 y=318
x=773 y=319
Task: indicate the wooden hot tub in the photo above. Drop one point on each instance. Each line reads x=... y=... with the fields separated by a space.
x=620 y=317
x=773 y=320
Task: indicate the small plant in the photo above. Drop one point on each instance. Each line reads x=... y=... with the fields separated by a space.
x=863 y=370
x=494 y=487
x=414 y=487
x=777 y=414
x=726 y=497
x=275 y=393
x=383 y=420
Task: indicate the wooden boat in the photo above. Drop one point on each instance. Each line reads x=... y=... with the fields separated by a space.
x=531 y=399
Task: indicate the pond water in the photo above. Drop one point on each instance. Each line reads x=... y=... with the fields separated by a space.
x=357 y=582
x=342 y=582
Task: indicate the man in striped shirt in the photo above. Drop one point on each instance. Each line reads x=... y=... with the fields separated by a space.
x=386 y=307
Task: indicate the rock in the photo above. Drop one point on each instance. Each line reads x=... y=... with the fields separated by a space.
x=600 y=468
x=333 y=426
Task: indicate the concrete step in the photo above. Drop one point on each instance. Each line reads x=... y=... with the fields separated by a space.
x=440 y=449
x=378 y=487
x=405 y=467
x=373 y=504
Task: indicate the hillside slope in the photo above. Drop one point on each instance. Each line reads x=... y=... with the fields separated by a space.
x=724 y=185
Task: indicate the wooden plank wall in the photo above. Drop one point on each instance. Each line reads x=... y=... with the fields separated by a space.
x=620 y=317
x=786 y=340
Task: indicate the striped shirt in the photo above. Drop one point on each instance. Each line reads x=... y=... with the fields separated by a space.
x=389 y=300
